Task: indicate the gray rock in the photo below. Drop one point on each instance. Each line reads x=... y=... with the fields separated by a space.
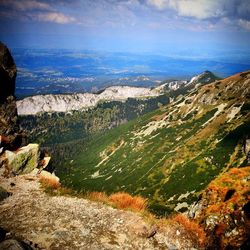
x=11 y=245
x=24 y=160
x=3 y=194
x=8 y=73
x=11 y=136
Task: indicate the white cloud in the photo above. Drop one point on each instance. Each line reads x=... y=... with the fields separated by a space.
x=226 y=11
x=244 y=24
x=54 y=17
x=204 y=9
x=159 y=4
x=200 y=9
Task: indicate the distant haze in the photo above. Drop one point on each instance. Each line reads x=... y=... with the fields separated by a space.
x=58 y=71
x=186 y=28
x=85 y=45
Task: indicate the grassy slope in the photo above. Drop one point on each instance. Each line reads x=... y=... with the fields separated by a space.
x=171 y=154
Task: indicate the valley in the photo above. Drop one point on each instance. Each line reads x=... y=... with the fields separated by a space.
x=171 y=145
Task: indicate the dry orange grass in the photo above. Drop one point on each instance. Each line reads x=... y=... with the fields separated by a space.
x=120 y=200
x=50 y=183
x=124 y=200
x=97 y=196
x=192 y=228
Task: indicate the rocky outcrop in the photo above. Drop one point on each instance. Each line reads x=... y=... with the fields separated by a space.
x=3 y=194
x=12 y=244
x=11 y=137
x=63 y=222
x=23 y=160
x=8 y=73
x=224 y=209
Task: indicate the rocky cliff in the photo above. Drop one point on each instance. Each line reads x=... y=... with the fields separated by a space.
x=8 y=73
x=10 y=134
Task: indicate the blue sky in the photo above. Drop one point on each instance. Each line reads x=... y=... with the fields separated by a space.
x=186 y=28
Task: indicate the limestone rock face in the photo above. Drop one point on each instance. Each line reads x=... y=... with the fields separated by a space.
x=11 y=137
x=24 y=160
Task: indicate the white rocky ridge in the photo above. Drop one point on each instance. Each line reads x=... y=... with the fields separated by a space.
x=68 y=102
x=173 y=85
x=207 y=75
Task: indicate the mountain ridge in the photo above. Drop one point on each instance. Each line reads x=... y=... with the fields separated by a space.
x=67 y=102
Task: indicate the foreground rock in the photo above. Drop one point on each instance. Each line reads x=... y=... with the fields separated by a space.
x=8 y=73
x=24 y=160
x=11 y=137
x=224 y=209
x=3 y=194
x=12 y=244
x=72 y=223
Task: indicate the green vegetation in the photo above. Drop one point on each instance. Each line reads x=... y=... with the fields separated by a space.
x=168 y=155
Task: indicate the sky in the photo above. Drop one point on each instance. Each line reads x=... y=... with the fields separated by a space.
x=191 y=28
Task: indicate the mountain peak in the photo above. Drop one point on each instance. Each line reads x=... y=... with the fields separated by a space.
x=203 y=78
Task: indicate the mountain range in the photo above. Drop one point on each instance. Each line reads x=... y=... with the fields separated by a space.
x=68 y=102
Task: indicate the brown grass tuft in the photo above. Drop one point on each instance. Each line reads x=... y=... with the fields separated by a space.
x=50 y=183
x=97 y=196
x=193 y=229
x=120 y=200
x=124 y=200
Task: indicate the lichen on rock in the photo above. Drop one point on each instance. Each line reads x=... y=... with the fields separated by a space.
x=224 y=209
x=24 y=160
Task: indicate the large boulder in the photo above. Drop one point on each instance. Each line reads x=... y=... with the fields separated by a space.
x=8 y=73
x=11 y=136
x=24 y=160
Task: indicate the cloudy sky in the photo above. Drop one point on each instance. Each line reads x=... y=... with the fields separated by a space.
x=180 y=27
